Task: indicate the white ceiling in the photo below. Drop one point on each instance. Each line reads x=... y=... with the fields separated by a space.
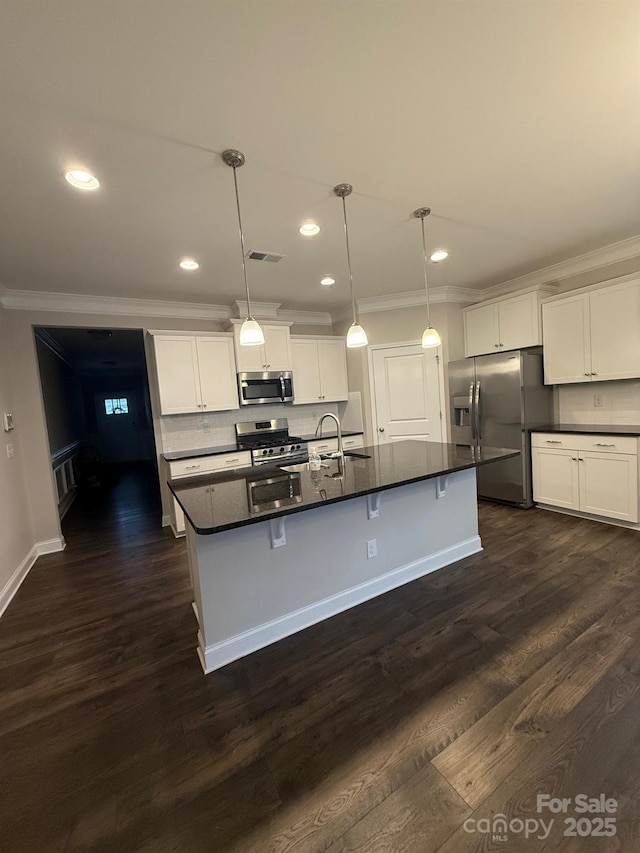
x=517 y=122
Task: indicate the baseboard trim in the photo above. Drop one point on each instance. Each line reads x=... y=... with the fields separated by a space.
x=219 y=654
x=587 y=516
x=166 y=520
x=14 y=583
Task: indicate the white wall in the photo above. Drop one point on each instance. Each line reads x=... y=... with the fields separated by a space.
x=16 y=531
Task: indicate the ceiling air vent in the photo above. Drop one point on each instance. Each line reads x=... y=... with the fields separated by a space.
x=272 y=257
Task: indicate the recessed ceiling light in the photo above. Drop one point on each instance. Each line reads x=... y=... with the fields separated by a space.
x=439 y=255
x=189 y=264
x=309 y=229
x=82 y=180
x=327 y=281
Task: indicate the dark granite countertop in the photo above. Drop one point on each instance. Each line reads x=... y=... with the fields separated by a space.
x=176 y=455
x=330 y=434
x=592 y=429
x=224 y=501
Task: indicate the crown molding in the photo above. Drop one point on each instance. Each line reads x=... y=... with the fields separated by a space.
x=624 y=250
x=71 y=303
x=409 y=299
x=260 y=310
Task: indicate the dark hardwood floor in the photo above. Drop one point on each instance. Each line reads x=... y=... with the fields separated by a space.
x=459 y=696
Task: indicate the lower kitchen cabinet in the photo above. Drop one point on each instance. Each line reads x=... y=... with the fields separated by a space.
x=198 y=466
x=587 y=475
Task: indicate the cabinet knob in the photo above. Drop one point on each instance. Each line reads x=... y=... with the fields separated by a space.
x=574 y=458
x=587 y=374
x=204 y=405
x=594 y=374
x=501 y=345
x=496 y=345
x=380 y=429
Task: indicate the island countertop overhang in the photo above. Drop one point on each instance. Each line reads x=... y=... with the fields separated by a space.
x=225 y=501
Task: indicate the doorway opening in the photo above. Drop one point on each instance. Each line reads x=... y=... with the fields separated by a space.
x=95 y=390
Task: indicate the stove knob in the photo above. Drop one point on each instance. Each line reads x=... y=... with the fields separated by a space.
x=264 y=452
x=297 y=447
x=270 y=450
x=282 y=450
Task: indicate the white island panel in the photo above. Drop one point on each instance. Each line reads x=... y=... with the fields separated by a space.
x=249 y=594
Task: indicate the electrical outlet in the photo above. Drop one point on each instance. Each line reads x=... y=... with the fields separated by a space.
x=10 y=451
x=598 y=401
x=372 y=548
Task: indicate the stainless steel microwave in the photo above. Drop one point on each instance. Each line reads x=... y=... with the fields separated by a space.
x=268 y=387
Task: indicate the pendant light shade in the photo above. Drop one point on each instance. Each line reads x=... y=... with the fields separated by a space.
x=251 y=335
x=250 y=332
x=430 y=337
x=356 y=336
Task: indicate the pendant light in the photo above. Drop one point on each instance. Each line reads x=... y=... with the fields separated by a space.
x=250 y=332
x=430 y=337
x=356 y=336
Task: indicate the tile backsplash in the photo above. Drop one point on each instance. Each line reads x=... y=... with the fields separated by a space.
x=619 y=403
x=190 y=432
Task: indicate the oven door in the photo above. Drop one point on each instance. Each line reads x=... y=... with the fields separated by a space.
x=257 y=388
x=273 y=492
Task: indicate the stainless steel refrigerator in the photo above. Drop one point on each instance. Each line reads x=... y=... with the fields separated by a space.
x=495 y=401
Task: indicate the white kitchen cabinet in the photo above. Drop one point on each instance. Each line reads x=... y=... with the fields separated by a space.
x=330 y=445
x=503 y=324
x=199 y=466
x=319 y=369
x=593 y=335
x=591 y=474
x=274 y=354
x=195 y=373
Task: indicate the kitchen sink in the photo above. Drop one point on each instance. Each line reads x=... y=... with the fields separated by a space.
x=356 y=454
x=294 y=469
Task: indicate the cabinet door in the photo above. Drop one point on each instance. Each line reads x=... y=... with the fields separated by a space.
x=481 y=333
x=609 y=485
x=277 y=345
x=519 y=322
x=332 y=358
x=615 y=331
x=306 y=371
x=177 y=368
x=555 y=477
x=216 y=365
x=566 y=340
x=248 y=359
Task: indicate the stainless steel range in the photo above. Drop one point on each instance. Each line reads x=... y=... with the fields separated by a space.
x=269 y=441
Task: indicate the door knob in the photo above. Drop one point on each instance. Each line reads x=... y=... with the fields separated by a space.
x=380 y=429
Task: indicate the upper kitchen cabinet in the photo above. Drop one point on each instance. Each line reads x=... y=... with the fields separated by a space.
x=319 y=369
x=502 y=324
x=593 y=335
x=195 y=373
x=274 y=354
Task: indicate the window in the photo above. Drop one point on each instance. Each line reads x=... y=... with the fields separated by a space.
x=117 y=406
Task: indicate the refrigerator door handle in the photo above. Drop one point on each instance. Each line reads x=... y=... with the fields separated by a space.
x=477 y=409
x=472 y=414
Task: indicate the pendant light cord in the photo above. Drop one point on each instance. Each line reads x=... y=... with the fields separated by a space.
x=426 y=286
x=244 y=264
x=346 y=237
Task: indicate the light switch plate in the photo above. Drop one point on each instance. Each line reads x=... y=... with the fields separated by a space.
x=7 y=421
x=598 y=401
x=10 y=451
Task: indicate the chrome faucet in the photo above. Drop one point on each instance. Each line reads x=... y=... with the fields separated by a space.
x=340 y=453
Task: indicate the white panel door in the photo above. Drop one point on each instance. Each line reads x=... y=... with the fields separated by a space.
x=216 y=364
x=615 y=331
x=277 y=346
x=306 y=371
x=566 y=340
x=519 y=322
x=609 y=485
x=406 y=383
x=332 y=358
x=555 y=477
x=177 y=368
x=481 y=332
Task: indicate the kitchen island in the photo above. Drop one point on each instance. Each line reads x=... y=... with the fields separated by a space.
x=272 y=551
